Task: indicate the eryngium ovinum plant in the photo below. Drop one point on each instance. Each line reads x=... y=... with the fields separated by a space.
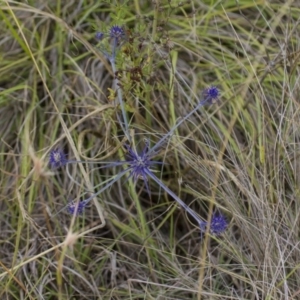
x=138 y=165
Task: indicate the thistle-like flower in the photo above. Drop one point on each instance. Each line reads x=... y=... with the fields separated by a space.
x=76 y=207
x=139 y=164
x=117 y=36
x=218 y=224
x=57 y=158
x=211 y=95
x=117 y=32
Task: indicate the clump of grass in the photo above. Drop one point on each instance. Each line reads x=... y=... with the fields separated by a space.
x=238 y=156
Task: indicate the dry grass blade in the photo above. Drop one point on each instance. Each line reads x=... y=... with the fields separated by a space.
x=239 y=156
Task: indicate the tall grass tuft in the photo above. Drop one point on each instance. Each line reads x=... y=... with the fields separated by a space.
x=207 y=207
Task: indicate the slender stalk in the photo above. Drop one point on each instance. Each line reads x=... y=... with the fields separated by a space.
x=120 y=100
x=107 y=186
x=100 y=191
x=176 y=198
x=170 y=133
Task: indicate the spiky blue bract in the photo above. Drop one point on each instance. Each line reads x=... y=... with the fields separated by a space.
x=139 y=164
x=76 y=208
x=57 y=158
x=218 y=224
x=116 y=32
x=211 y=94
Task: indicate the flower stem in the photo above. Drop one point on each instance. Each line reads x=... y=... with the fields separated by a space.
x=170 y=133
x=176 y=198
x=120 y=99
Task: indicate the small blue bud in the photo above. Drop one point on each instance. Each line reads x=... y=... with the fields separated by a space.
x=116 y=32
x=99 y=36
x=211 y=94
x=57 y=158
x=218 y=224
x=76 y=207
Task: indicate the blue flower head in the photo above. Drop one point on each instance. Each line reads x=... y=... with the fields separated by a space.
x=76 y=207
x=57 y=158
x=117 y=36
x=99 y=36
x=211 y=95
x=139 y=164
x=217 y=226
x=116 y=32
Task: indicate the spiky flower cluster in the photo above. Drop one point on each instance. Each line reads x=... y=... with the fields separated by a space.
x=116 y=36
x=211 y=95
x=76 y=207
x=138 y=164
x=117 y=32
x=57 y=158
x=218 y=224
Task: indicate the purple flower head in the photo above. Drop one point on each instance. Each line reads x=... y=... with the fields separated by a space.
x=211 y=95
x=57 y=158
x=76 y=207
x=99 y=36
x=116 y=32
x=218 y=224
x=139 y=164
x=117 y=36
